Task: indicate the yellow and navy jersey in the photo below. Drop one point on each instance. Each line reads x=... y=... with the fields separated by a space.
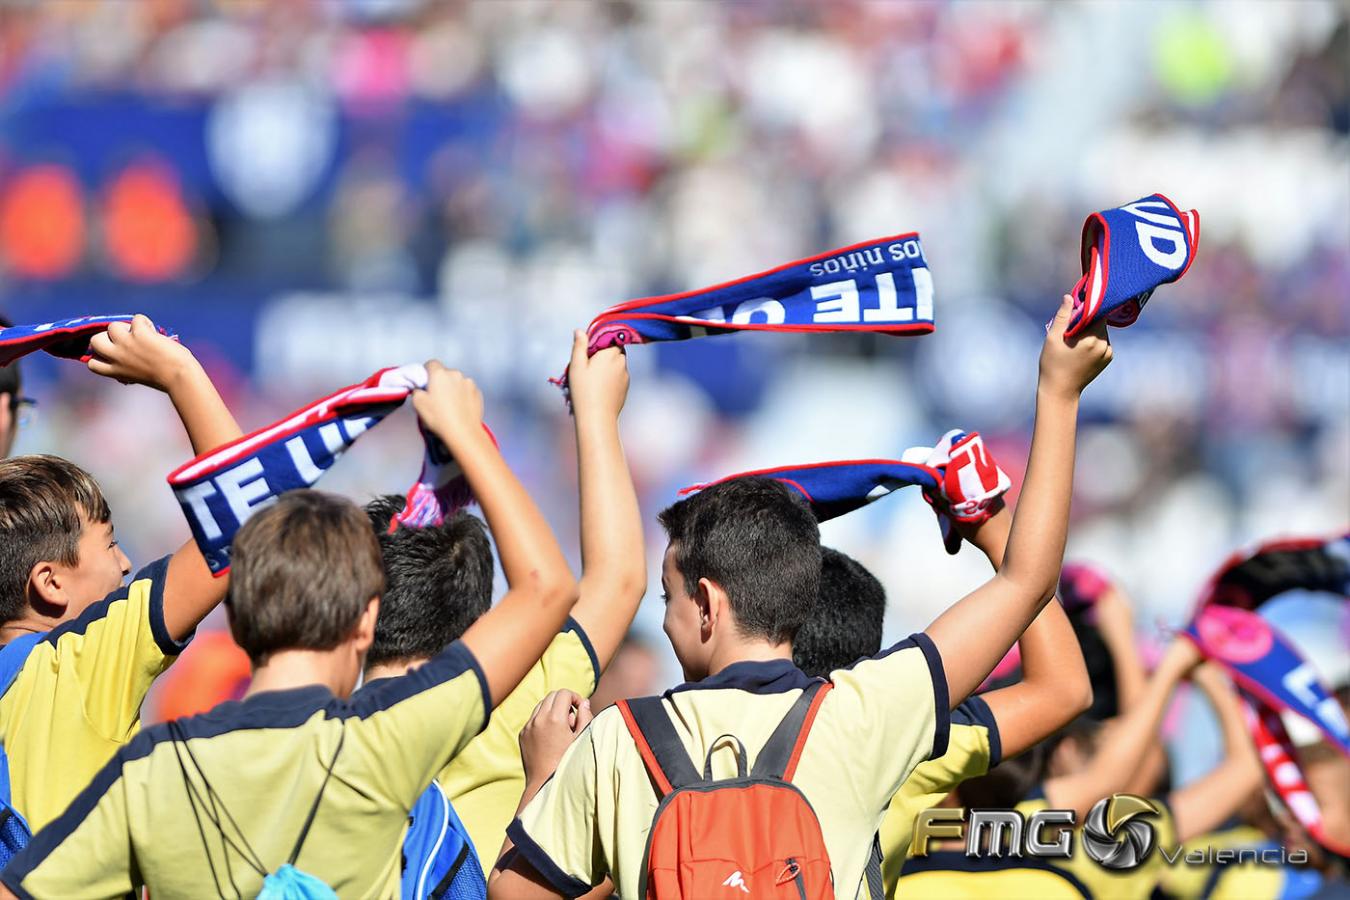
x=78 y=697
x=951 y=875
x=186 y=805
x=972 y=750
x=884 y=716
x=485 y=781
x=1105 y=884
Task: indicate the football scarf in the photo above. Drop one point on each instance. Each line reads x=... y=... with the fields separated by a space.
x=882 y=286
x=1269 y=672
x=66 y=338
x=959 y=479
x=220 y=490
x=1127 y=252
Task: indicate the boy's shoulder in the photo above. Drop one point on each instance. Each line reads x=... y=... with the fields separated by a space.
x=261 y=715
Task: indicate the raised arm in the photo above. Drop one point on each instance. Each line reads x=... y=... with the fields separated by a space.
x=1207 y=802
x=973 y=635
x=1115 y=623
x=1054 y=686
x=136 y=353
x=613 y=556
x=1128 y=739
x=511 y=636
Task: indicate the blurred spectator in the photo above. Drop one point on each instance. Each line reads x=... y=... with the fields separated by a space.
x=347 y=185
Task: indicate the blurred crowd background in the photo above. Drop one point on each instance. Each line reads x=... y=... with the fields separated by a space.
x=310 y=190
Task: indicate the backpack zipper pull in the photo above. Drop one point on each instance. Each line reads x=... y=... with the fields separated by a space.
x=790 y=871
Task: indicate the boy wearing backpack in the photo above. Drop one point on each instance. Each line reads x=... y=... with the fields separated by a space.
x=819 y=761
x=295 y=773
x=438 y=581
x=81 y=651
x=985 y=728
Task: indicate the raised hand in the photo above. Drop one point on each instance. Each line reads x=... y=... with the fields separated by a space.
x=451 y=406
x=598 y=384
x=1068 y=366
x=136 y=352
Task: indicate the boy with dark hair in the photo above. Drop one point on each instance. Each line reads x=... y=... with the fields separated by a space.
x=847 y=625
x=295 y=772
x=741 y=574
x=80 y=650
x=439 y=582
x=846 y=622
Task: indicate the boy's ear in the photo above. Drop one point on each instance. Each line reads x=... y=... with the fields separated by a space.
x=46 y=588
x=712 y=605
x=364 y=634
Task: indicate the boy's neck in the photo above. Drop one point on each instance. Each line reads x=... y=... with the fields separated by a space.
x=392 y=669
x=289 y=669
x=747 y=650
x=28 y=624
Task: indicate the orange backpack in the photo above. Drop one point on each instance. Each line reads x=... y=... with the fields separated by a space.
x=754 y=834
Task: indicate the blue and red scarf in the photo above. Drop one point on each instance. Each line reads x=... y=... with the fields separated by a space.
x=1127 y=252
x=1268 y=670
x=220 y=490
x=959 y=478
x=882 y=286
x=66 y=338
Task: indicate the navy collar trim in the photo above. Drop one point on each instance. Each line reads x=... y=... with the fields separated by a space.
x=768 y=676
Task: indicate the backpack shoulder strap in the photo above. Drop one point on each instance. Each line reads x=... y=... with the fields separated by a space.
x=13 y=655
x=781 y=752
x=876 y=884
x=660 y=746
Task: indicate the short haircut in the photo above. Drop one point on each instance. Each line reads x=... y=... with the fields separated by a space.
x=43 y=500
x=758 y=540
x=302 y=572
x=846 y=624
x=438 y=581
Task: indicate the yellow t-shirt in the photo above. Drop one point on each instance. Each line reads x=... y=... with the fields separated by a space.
x=884 y=716
x=951 y=875
x=484 y=782
x=78 y=697
x=972 y=751
x=1104 y=884
x=255 y=767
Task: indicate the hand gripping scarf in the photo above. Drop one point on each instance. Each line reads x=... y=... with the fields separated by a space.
x=66 y=338
x=220 y=490
x=1127 y=252
x=882 y=286
x=1270 y=674
x=959 y=478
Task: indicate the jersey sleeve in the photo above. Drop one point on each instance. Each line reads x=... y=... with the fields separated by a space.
x=84 y=852
x=892 y=714
x=569 y=663
x=972 y=750
x=116 y=648
x=410 y=727
x=558 y=833
x=485 y=781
